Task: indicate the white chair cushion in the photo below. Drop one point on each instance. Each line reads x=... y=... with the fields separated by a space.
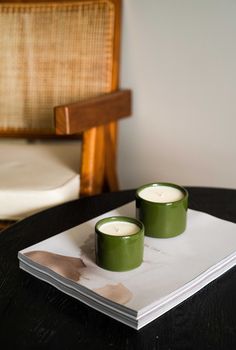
x=35 y=176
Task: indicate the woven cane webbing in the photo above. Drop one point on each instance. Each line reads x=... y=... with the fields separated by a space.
x=52 y=54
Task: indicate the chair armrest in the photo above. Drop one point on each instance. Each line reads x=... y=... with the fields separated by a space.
x=77 y=117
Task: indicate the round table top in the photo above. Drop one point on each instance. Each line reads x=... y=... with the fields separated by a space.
x=34 y=314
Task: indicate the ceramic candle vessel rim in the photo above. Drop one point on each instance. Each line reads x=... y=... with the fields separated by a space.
x=168 y=184
x=119 y=218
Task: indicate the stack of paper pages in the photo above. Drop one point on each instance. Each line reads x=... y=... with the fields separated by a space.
x=172 y=270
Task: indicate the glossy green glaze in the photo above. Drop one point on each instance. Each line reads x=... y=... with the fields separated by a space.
x=162 y=220
x=119 y=253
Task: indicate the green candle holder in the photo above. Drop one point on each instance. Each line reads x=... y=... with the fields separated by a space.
x=162 y=219
x=119 y=243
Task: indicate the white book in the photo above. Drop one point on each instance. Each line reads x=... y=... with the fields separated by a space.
x=173 y=269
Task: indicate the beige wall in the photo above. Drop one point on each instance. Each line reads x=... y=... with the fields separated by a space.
x=179 y=58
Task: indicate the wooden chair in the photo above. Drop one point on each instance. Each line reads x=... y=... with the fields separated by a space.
x=59 y=75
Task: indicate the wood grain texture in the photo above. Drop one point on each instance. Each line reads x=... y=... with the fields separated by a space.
x=111 y=178
x=93 y=162
x=98 y=166
x=81 y=116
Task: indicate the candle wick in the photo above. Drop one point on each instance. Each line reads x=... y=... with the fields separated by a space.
x=116 y=229
x=160 y=194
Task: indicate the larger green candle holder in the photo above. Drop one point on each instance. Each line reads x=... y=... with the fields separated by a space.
x=162 y=207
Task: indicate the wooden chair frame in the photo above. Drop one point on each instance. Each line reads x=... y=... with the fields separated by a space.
x=95 y=120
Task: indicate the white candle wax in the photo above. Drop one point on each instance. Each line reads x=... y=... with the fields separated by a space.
x=161 y=194
x=119 y=228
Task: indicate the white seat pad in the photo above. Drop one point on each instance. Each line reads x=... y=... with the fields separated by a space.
x=35 y=176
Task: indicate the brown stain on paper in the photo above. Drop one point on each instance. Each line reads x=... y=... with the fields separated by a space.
x=115 y=292
x=66 y=266
x=70 y=267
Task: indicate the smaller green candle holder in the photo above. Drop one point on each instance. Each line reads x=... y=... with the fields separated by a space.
x=119 y=243
x=162 y=208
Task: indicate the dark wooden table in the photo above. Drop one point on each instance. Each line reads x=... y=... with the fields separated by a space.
x=35 y=315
